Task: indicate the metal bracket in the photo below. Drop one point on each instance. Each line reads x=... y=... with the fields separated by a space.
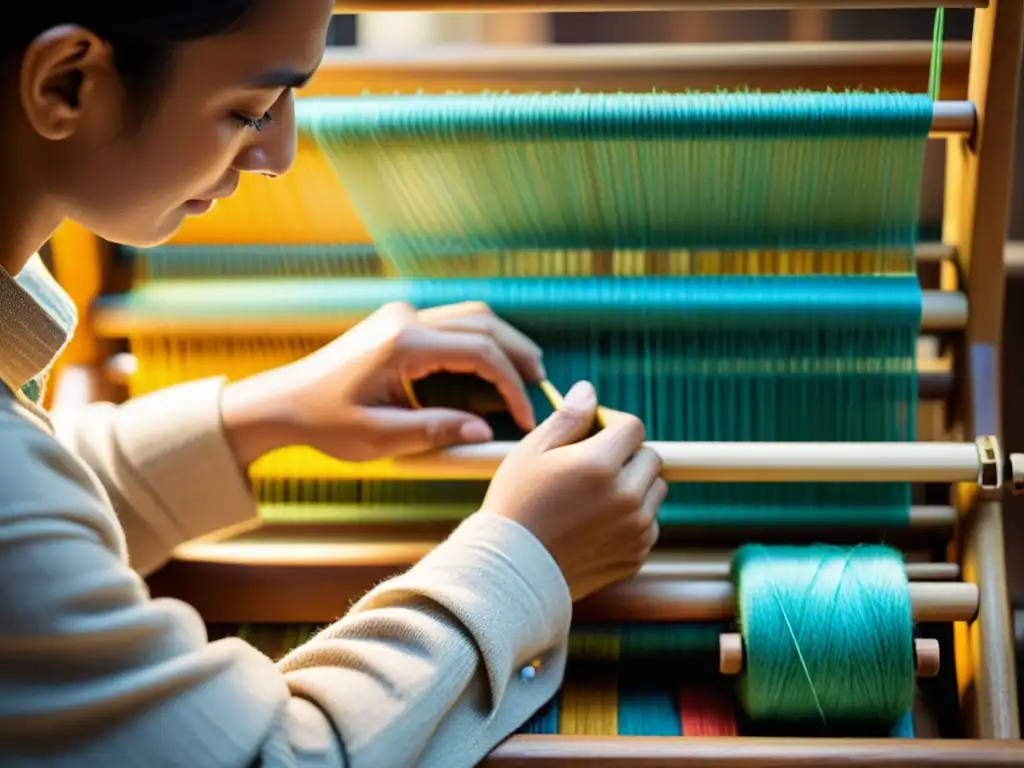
x=990 y=475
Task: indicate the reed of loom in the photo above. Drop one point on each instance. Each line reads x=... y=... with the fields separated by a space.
x=681 y=586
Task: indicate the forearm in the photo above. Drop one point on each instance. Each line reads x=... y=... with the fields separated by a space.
x=254 y=423
x=166 y=464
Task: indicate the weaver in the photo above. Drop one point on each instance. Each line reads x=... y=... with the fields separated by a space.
x=736 y=268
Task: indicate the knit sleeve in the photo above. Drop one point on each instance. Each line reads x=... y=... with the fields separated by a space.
x=423 y=672
x=166 y=465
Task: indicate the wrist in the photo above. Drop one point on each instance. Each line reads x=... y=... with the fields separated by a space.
x=255 y=419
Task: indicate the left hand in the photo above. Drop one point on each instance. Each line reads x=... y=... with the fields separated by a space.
x=348 y=399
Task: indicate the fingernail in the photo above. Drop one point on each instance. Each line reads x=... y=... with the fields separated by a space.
x=541 y=371
x=475 y=432
x=581 y=395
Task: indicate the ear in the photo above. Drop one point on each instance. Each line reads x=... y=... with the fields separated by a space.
x=59 y=71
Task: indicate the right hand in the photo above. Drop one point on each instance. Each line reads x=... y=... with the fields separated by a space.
x=592 y=503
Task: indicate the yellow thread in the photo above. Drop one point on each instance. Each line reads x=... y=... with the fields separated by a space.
x=555 y=398
x=410 y=393
x=589 y=707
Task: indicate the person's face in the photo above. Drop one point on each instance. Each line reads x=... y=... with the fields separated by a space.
x=224 y=107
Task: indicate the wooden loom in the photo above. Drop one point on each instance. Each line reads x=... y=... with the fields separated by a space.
x=310 y=573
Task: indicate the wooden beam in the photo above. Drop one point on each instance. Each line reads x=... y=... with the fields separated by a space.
x=651 y=752
x=570 y=6
x=978 y=189
x=899 y=66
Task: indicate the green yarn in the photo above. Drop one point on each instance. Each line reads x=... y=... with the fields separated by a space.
x=828 y=633
x=935 y=69
x=434 y=177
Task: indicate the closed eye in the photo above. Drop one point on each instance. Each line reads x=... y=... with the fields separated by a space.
x=255 y=123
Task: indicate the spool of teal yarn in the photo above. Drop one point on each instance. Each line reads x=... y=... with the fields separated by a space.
x=828 y=633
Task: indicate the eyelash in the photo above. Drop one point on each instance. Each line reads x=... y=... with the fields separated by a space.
x=255 y=123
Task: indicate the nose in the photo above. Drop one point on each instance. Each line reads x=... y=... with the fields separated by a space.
x=271 y=152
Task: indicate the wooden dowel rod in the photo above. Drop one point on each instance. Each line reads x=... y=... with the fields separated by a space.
x=943 y=311
x=934 y=381
x=952 y=118
x=572 y=6
x=932 y=516
x=747 y=462
x=924 y=252
x=922 y=462
x=715 y=600
x=932 y=252
x=696 y=566
x=673 y=752
x=927 y=655
x=236 y=315
x=693 y=565
x=683 y=462
x=640 y=68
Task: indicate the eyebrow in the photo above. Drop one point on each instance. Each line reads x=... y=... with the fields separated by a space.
x=281 y=78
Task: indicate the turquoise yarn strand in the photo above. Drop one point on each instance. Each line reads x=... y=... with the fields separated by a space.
x=435 y=177
x=828 y=633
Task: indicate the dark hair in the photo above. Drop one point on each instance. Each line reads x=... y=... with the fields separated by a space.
x=142 y=33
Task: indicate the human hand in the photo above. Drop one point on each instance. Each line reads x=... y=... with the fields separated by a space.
x=593 y=503
x=350 y=400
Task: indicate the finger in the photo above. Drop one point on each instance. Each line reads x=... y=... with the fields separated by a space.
x=401 y=432
x=634 y=562
x=645 y=536
x=570 y=422
x=644 y=521
x=649 y=514
x=623 y=435
x=427 y=350
x=655 y=497
x=477 y=317
x=640 y=473
x=653 y=534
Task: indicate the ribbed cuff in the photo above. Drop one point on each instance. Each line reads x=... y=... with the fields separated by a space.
x=501 y=583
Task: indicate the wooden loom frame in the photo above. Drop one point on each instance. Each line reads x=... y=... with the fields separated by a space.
x=974 y=225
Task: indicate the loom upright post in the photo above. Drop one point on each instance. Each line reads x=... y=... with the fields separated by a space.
x=978 y=188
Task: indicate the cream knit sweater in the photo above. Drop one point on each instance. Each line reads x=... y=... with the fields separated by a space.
x=424 y=671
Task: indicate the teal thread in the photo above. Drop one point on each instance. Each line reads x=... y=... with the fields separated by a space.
x=828 y=633
x=707 y=359
x=437 y=177
x=541 y=305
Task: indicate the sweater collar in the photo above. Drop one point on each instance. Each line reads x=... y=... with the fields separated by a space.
x=37 y=319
